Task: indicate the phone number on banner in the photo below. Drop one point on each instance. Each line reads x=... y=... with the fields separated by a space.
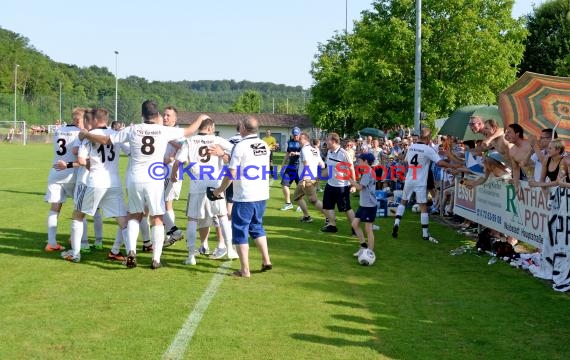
x=489 y=216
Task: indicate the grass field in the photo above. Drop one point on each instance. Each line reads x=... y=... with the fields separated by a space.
x=416 y=302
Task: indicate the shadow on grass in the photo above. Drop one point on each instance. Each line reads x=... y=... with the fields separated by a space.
x=18 y=242
x=23 y=192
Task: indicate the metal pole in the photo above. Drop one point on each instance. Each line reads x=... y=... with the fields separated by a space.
x=60 y=115
x=15 y=95
x=345 y=17
x=418 y=67
x=116 y=83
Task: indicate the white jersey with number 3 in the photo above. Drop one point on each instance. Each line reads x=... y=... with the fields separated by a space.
x=206 y=168
x=63 y=140
x=419 y=158
x=147 y=144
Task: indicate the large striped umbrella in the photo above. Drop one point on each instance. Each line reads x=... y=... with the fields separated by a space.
x=537 y=102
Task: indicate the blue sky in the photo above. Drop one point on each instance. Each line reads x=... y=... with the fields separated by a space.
x=255 y=40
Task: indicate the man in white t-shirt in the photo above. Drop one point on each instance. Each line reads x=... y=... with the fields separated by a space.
x=310 y=165
x=171 y=188
x=61 y=183
x=251 y=191
x=418 y=157
x=103 y=188
x=340 y=168
x=204 y=152
x=147 y=171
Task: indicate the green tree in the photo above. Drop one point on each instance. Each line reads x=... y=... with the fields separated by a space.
x=39 y=81
x=470 y=52
x=248 y=102
x=548 y=43
x=329 y=107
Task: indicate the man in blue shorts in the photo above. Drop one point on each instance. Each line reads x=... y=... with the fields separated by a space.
x=251 y=192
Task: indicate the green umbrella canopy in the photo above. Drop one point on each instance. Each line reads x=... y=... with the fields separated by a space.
x=371 y=132
x=457 y=124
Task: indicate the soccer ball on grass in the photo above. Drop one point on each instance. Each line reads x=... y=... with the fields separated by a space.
x=366 y=257
x=416 y=208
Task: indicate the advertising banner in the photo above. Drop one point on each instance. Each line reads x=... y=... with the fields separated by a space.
x=496 y=205
x=540 y=218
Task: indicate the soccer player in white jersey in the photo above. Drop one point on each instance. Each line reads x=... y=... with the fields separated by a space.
x=147 y=143
x=418 y=157
x=204 y=225
x=204 y=153
x=61 y=183
x=81 y=184
x=103 y=185
x=310 y=164
x=171 y=188
x=251 y=192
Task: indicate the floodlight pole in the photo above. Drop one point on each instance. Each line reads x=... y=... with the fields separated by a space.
x=15 y=95
x=60 y=114
x=418 y=68
x=345 y=17
x=116 y=83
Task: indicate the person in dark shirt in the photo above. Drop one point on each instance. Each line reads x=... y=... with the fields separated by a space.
x=290 y=173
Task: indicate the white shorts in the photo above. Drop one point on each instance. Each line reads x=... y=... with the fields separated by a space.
x=208 y=222
x=58 y=193
x=149 y=195
x=110 y=200
x=172 y=189
x=199 y=207
x=421 y=193
x=80 y=189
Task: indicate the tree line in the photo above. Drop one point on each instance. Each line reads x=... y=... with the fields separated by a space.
x=41 y=83
x=471 y=51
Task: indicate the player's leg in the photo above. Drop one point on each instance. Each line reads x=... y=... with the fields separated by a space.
x=195 y=210
x=113 y=205
x=406 y=193
x=330 y=199
x=74 y=254
x=171 y=193
x=144 y=227
x=98 y=229
x=55 y=196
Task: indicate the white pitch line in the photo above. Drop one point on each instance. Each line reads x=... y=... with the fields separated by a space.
x=178 y=347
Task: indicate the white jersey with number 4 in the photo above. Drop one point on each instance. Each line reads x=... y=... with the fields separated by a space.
x=419 y=158
x=63 y=140
x=147 y=144
x=205 y=167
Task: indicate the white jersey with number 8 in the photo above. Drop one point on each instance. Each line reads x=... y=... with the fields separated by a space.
x=147 y=144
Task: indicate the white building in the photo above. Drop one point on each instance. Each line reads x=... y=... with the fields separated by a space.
x=279 y=124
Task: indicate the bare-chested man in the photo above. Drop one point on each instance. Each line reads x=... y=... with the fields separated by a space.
x=495 y=139
x=520 y=153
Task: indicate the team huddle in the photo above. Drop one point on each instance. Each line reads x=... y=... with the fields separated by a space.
x=86 y=168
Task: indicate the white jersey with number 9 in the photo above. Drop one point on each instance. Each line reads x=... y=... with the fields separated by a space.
x=205 y=167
